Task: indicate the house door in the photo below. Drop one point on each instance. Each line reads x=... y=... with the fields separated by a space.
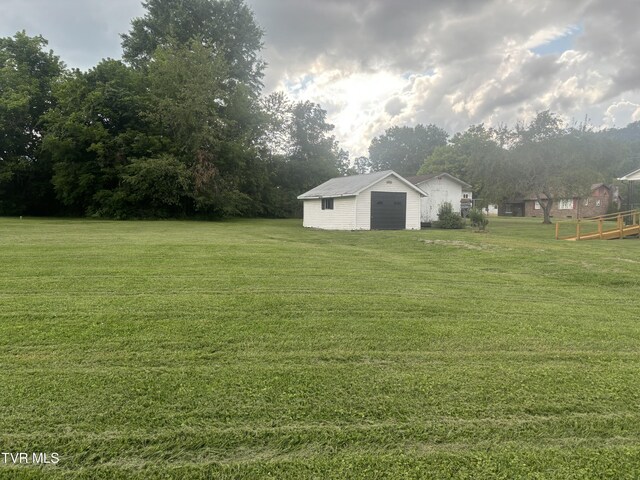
x=388 y=210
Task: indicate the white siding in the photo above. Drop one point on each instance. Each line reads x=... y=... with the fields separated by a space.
x=363 y=203
x=492 y=210
x=440 y=190
x=342 y=217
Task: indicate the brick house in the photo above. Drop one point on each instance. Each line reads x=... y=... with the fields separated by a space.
x=600 y=200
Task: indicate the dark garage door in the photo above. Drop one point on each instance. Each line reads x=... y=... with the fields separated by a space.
x=388 y=210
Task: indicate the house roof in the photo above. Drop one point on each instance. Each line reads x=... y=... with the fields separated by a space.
x=423 y=178
x=631 y=176
x=352 y=185
x=594 y=187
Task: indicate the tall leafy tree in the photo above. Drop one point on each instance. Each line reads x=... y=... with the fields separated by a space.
x=27 y=76
x=404 y=149
x=227 y=27
x=548 y=164
x=202 y=58
x=208 y=126
x=301 y=150
x=95 y=129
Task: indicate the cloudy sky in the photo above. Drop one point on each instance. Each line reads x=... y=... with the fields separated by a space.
x=373 y=64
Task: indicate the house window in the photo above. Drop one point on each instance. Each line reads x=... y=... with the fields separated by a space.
x=327 y=204
x=536 y=205
x=465 y=195
x=565 y=204
x=598 y=203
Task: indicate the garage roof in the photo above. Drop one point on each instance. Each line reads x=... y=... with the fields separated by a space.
x=352 y=185
x=423 y=178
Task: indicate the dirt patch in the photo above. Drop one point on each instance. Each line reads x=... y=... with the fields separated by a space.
x=627 y=260
x=457 y=244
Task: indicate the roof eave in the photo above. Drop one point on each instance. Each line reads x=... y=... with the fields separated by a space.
x=630 y=174
x=318 y=197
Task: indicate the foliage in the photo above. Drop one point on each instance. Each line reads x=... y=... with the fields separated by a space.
x=478 y=219
x=447 y=218
x=477 y=157
x=225 y=27
x=544 y=159
x=94 y=130
x=149 y=187
x=403 y=149
x=548 y=164
x=302 y=151
x=27 y=76
x=187 y=101
x=362 y=165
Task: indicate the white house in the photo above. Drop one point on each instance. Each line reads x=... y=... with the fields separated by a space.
x=441 y=188
x=376 y=201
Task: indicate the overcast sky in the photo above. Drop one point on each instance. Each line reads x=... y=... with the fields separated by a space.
x=373 y=64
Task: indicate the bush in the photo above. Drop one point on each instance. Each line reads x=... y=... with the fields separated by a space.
x=447 y=218
x=478 y=219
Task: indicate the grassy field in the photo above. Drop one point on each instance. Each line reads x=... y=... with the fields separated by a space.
x=256 y=348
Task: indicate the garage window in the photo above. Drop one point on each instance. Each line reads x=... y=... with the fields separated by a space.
x=327 y=204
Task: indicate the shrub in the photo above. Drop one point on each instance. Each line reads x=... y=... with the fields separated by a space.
x=447 y=218
x=478 y=219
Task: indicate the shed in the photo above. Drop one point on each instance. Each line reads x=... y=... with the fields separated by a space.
x=376 y=201
x=441 y=188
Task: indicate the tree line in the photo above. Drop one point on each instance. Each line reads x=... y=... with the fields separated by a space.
x=545 y=159
x=177 y=128
x=180 y=127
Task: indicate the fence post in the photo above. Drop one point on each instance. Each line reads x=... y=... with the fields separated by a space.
x=557 y=230
x=621 y=225
x=600 y=220
x=578 y=230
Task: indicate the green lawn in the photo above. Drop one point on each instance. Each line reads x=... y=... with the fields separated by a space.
x=256 y=348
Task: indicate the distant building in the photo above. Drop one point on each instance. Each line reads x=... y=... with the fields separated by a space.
x=599 y=201
x=441 y=188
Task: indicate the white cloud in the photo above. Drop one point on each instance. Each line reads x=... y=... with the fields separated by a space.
x=373 y=64
x=621 y=113
x=484 y=55
x=81 y=32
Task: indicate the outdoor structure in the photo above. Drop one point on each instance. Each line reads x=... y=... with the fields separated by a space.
x=441 y=188
x=604 y=227
x=629 y=178
x=491 y=210
x=376 y=201
x=599 y=201
x=512 y=207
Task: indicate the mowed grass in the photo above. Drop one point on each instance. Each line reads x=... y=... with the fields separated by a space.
x=257 y=348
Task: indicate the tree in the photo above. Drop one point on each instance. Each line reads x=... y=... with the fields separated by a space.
x=226 y=27
x=95 y=129
x=404 y=149
x=207 y=125
x=477 y=157
x=548 y=164
x=362 y=165
x=153 y=187
x=301 y=150
x=27 y=76
x=204 y=66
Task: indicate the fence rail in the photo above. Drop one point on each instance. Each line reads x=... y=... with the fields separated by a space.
x=603 y=227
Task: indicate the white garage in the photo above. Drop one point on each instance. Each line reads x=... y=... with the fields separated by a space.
x=376 y=201
x=441 y=188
